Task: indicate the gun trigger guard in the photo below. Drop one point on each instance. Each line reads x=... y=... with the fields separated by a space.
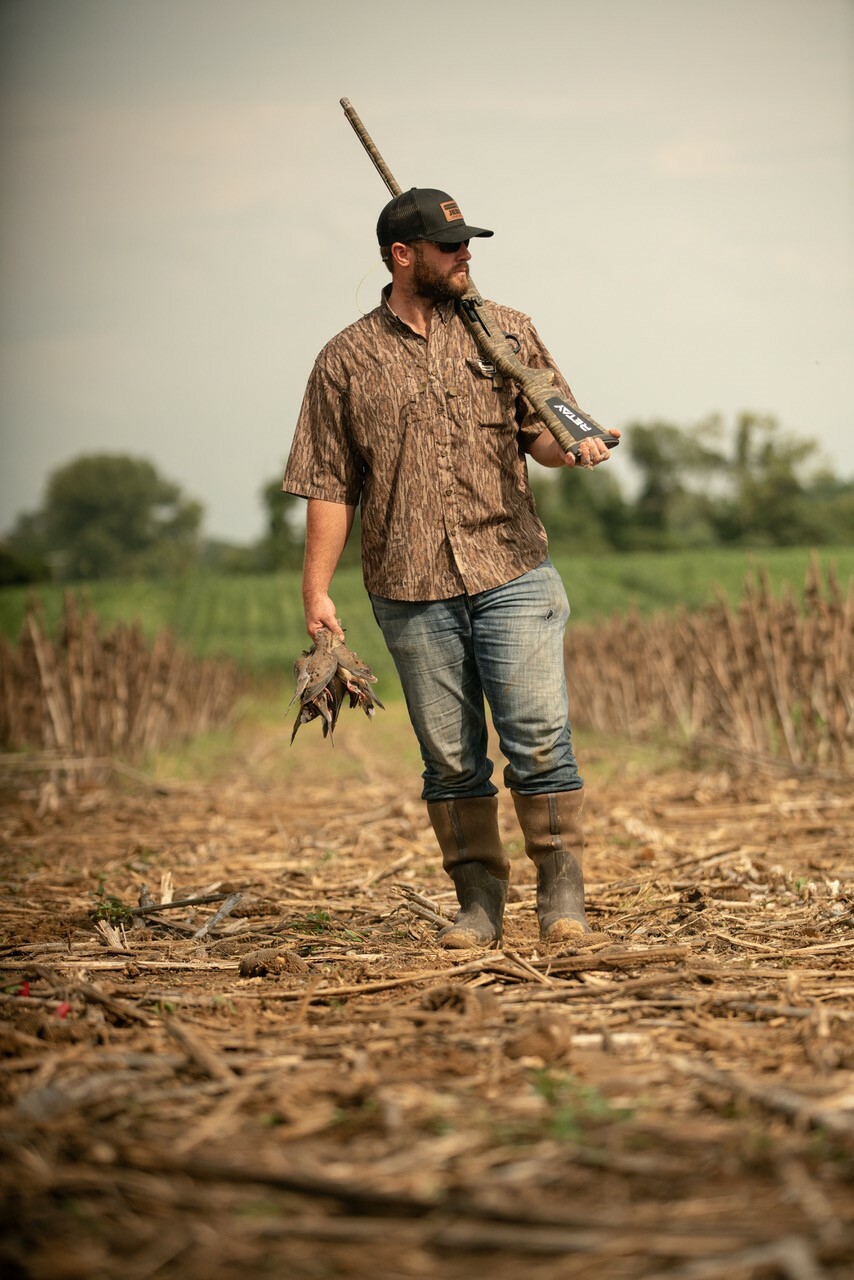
x=514 y=342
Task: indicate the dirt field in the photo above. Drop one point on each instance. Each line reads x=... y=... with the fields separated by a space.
x=676 y=1098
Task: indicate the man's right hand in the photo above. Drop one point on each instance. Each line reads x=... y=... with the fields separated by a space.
x=320 y=612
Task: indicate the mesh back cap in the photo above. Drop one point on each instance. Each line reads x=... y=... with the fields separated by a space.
x=424 y=213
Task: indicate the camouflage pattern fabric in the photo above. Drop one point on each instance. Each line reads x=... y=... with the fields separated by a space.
x=432 y=443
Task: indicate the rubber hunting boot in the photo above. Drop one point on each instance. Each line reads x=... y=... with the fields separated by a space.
x=474 y=858
x=554 y=841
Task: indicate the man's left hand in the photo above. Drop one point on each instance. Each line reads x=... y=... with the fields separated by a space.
x=548 y=452
x=591 y=452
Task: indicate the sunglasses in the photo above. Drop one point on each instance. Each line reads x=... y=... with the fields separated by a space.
x=449 y=248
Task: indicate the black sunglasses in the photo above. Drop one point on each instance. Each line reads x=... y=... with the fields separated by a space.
x=451 y=248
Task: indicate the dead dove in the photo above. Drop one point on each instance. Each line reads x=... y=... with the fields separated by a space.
x=324 y=675
x=358 y=678
x=308 y=711
x=315 y=667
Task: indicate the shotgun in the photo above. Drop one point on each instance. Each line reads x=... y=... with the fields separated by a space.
x=566 y=422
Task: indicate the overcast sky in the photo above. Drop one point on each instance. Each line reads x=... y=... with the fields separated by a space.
x=186 y=215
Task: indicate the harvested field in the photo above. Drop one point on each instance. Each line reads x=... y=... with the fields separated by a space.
x=87 y=695
x=312 y=1088
x=769 y=679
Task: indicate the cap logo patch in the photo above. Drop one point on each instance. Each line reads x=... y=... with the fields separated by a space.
x=451 y=210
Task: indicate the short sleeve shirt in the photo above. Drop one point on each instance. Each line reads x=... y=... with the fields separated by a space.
x=432 y=444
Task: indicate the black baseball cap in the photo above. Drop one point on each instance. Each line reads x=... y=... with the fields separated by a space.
x=424 y=214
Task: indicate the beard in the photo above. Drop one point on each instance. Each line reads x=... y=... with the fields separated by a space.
x=435 y=285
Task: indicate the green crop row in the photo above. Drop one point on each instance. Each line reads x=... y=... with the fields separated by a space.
x=258 y=619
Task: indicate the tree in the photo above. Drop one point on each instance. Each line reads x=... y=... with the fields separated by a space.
x=283 y=543
x=24 y=552
x=827 y=509
x=765 y=506
x=281 y=546
x=109 y=514
x=676 y=465
x=580 y=509
x=17 y=569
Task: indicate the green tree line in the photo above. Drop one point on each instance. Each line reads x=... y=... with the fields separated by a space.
x=702 y=486
x=107 y=515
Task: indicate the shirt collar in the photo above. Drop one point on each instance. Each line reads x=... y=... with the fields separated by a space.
x=444 y=310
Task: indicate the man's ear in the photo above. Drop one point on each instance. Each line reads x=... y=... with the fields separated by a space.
x=402 y=254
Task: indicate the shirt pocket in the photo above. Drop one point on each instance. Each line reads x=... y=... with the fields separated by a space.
x=381 y=411
x=484 y=397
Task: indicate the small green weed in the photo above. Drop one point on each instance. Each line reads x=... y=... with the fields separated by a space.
x=224 y=1003
x=574 y=1107
x=313 y=922
x=353 y=935
x=110 y=908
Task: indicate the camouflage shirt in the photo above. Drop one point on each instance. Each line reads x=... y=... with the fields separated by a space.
x=432 y=445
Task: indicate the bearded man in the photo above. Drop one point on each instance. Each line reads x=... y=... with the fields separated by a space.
x=403 y=416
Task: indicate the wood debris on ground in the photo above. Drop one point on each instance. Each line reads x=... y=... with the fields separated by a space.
x=309 y=1086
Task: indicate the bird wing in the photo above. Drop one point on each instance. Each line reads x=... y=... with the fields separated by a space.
x=354 y=664
x=321 y=667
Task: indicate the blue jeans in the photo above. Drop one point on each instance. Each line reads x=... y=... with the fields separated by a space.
x=505 y=646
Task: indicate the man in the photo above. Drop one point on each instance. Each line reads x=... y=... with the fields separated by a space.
x=402 y=415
